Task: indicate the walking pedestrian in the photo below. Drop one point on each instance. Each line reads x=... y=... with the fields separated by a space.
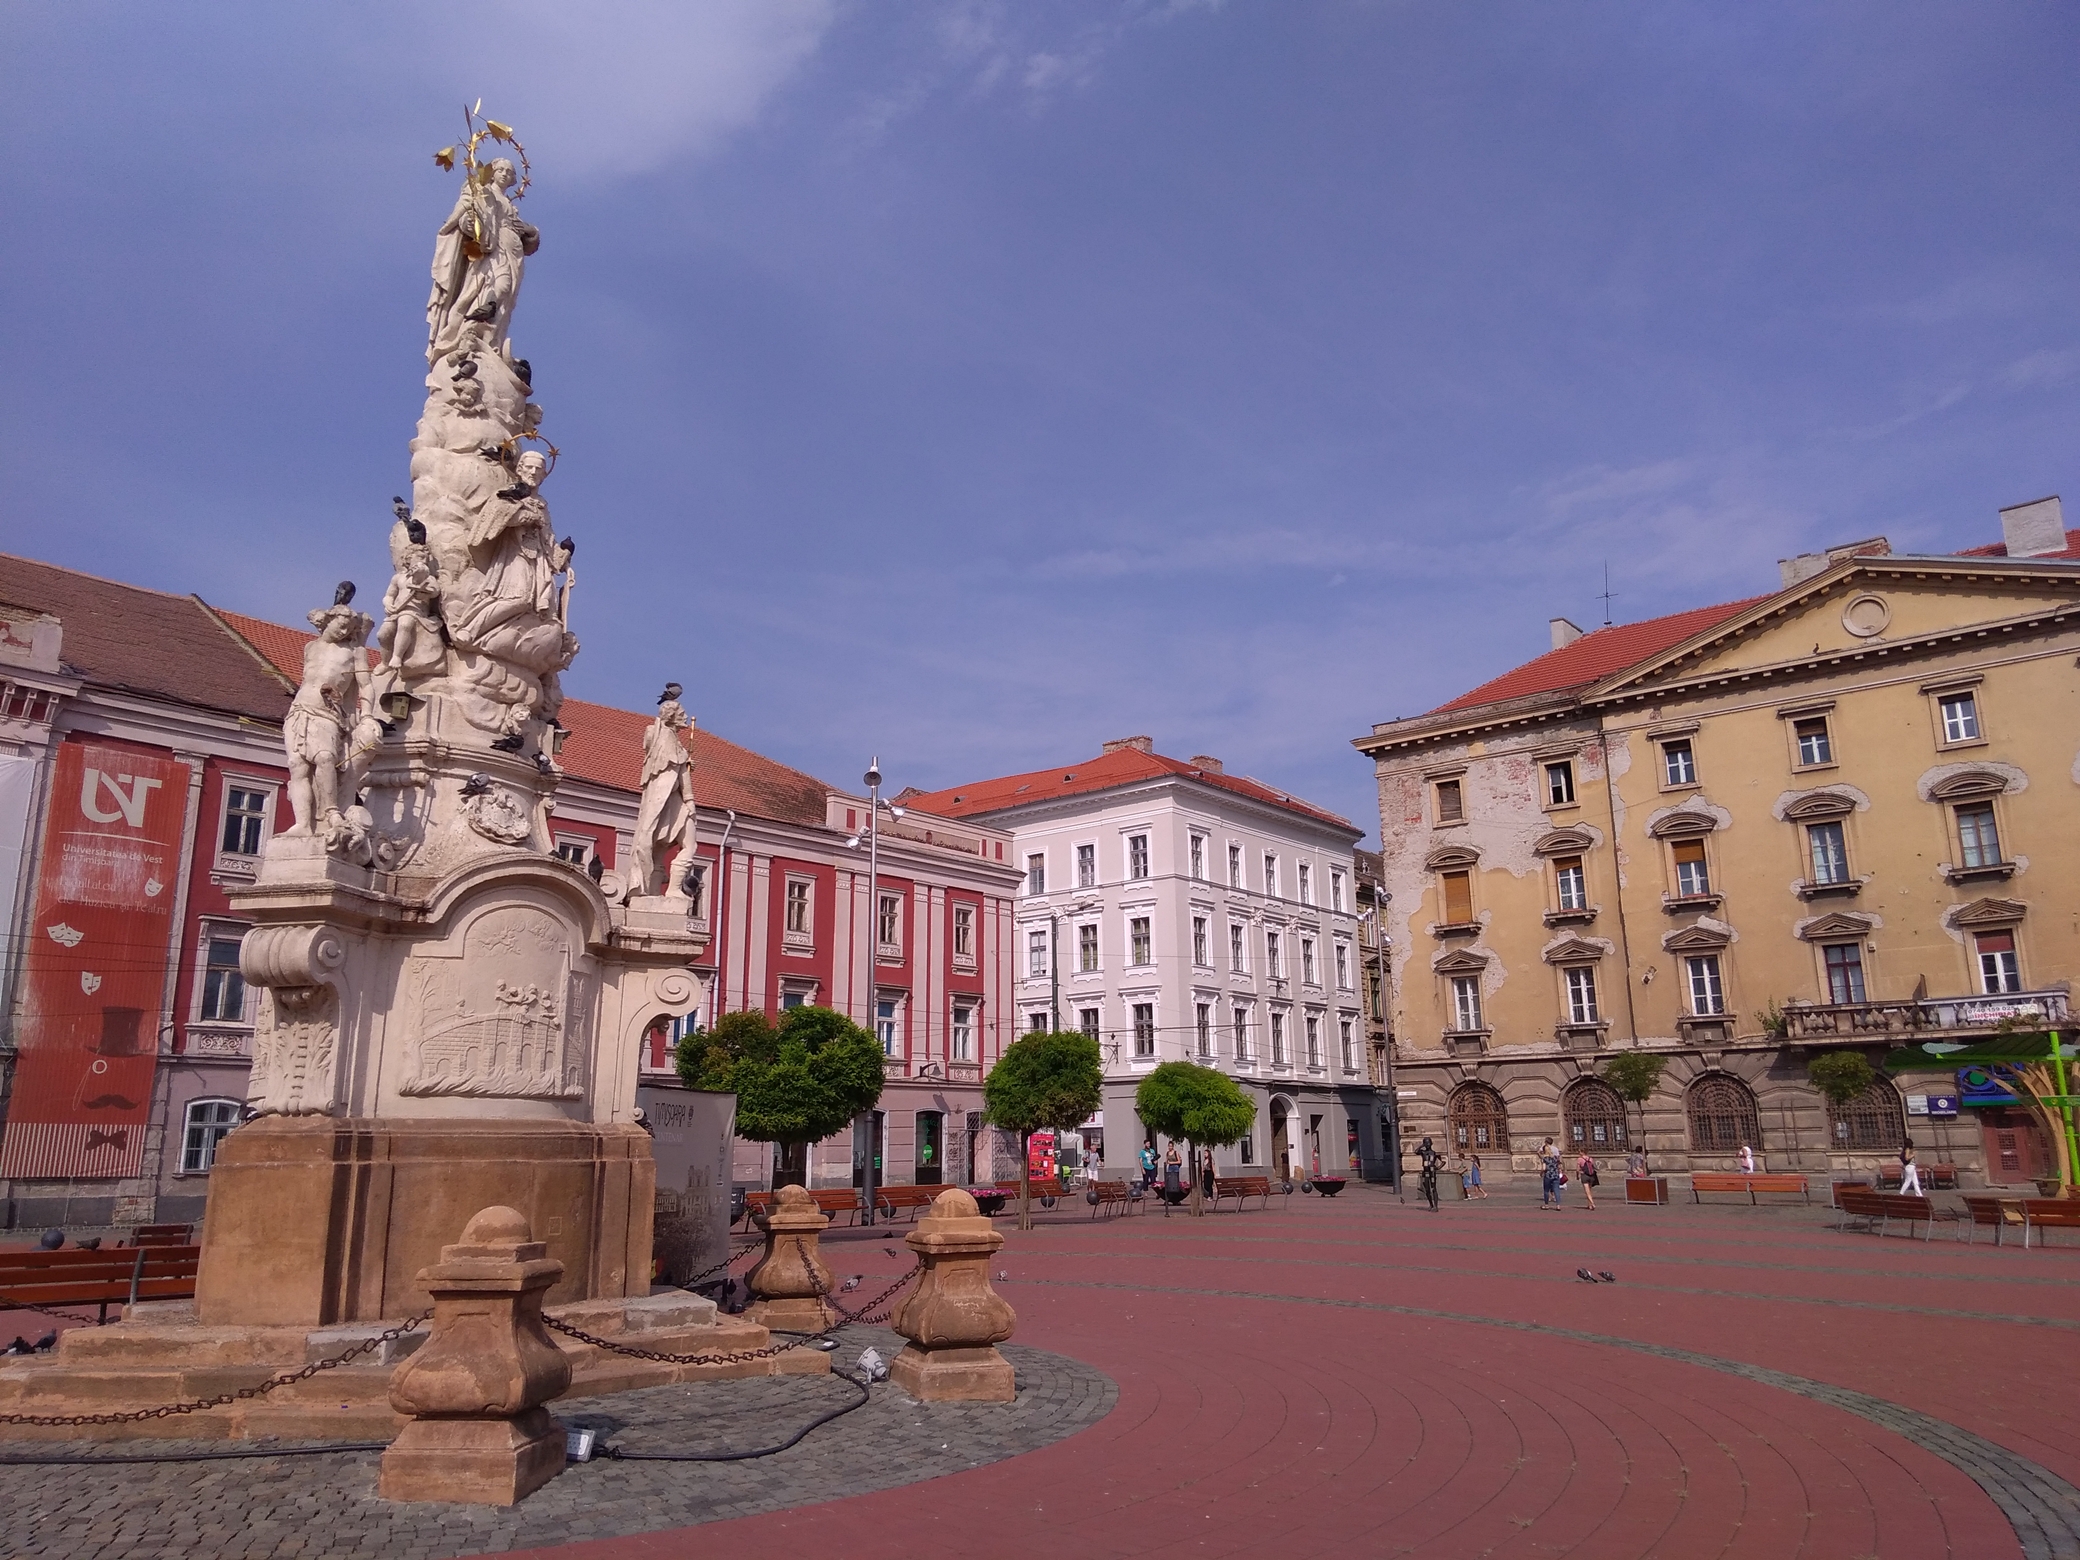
x=1148 y=1165
x=1585 y=1167
x=1909 y=1172
x=1474 y=1188
x=1550 y=1178
x=1430 y=1159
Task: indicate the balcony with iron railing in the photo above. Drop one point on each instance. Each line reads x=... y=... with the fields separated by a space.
x=1924 y=1016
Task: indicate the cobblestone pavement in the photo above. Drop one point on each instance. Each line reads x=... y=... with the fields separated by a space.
x=325 y=1507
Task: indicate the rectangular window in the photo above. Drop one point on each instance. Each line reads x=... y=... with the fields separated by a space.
x=885 y=1025
x=1241 y=1017
x=1086 y=866
x=1999 y=969
x=1137 y=941
x=576 y=852
x=1234 y=866
x=1278 y=1041
x=223 y=987
x=1960 y=717
x=1814 y=747
x=1560 y=784
x=1336 y=897
x=1238 y=949
x=1707 y=991
x=1087 y=1021
x=1466 y=1002
x=963 y=1042
x=1202 y=1017
x=1248 y=1151
x=1829 y=852
x=1270 y=875
x=1348 y=1045
x=1202 y=956
x=1458 y=897
x=1198 y=858
x=1570 y=883
x=890 y=927
x=208 y=1122
x=1037 y=1022
x=1844 y=971
x=1036 y=955
x=245 y=816
x=1144 y=1029
x=1036 y=874
x=1978 y=837
x=1692 y=875
x=1137 y=856
x=1314 y=1042
x=1308 y=973
x=1343 y=966
x=1678 y=762
x=1087 y=948
x=1451 y=802
x=798 y=906
x=1581 y=995
x=1306 y=884
x=696 y=882
x=1274 y=955
x=964 y=931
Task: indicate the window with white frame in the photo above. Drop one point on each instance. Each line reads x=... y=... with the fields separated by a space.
x=1828 y=849
x=1270 y=875
x=1138 y=949
x=1570 y=884
x=207 y=1124
x=1693 y=875
x=1337 y=900
x=1678 y=762
x=1308 y=973
x=1306 y=883
x=1202 y=954
x=887 y=1024
x=695 y=880
x=1278 y=1041
x=1144 y=1029
x=1978 y=836
x=245 y=820
x=800 y=901
x=1088 y=1020
x=223 y=987
x=1314 y=1042
x=1038 y=1021
x=1347 y=1044
x=964 y=933
x=1234 y=866
x=1246 y=1150
x=1343 y=966
x=1198 y=858
x=1202 y=1023
x=961 y=1042
x=1087 y=948
x=1036 y=955
x=1560 y=783
x=1274 y=955
x=1087 y=866
x=574 y=848
x=1238 y=948
x=1466 y=1002
x=1036 y=874
x=2000 y=970
x=1581 y=995
x=1707 y=988
x=1815 y=742
x=1960 y=713
x=1844 y=962
x=1137 y=856
x=889 y=927
x=1240 y=1017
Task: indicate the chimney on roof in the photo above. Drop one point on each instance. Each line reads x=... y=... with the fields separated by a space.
x=1209 y=763
x=2034 y=530
x=1138 y=744
x=1795 y=571
x=1564 y=633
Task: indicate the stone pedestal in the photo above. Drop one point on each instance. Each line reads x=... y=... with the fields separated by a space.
x=790 y=1280
x=475 y=1392
x=953 y=1318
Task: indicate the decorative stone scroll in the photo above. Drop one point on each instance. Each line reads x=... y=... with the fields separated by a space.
x=296 y=1036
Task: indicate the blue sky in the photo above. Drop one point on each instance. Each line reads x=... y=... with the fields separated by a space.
x=973 y=382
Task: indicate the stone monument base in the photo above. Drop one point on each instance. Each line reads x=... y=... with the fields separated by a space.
x=160 y=1353
x=496 y=1462
x=980 y=1375
x=316 y=1221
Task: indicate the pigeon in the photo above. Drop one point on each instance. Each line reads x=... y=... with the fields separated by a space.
x=516 y=492
x=343 y=594
x=888 y=1251
x=93 y=1243
x=401 y=509
x=484 y=313
x=595 y=868
x=1585 y=1275
x=851 y=1284
x=671 y=692
x=47 y=1342
x=1606 y=1277
x=19 y=1346
x=525 y=370
x=1003 y=1277
x=510 y=744
x=477 y=784
x=465 y=368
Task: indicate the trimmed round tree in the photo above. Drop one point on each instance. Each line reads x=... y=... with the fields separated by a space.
x=1842 y=1076
x=798 y=1081
x=1047 y=1080
x=1204 y=1107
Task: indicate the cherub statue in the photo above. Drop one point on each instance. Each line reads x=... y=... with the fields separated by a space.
x=331 y=729
x=410 y=637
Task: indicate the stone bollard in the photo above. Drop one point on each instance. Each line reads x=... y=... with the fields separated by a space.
x=953 y=1318
x=789 y=1300
x=475 y=1390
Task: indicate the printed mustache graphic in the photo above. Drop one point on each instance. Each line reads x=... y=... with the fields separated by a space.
x=108 y=1102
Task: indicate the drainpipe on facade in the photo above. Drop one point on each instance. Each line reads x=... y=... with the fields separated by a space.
x=1054 y=970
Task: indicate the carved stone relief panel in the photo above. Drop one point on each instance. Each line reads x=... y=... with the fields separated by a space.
x=499 y=1022
x=295 y=1052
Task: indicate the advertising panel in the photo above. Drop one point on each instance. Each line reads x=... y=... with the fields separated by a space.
x=94 y=969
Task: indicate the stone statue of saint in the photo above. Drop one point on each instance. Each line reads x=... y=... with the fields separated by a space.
x=665 y=816
x=331 y=730
x=478 y=259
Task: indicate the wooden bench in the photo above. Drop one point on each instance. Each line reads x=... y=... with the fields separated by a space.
x=1937 y=1178
x=2001 y=1213
x=2049 y=1213
x=831 y=1201
x=162 y=1235
x=1702 y=1181
x=1043 y=1186
x=1112 y=1195
x=103 y=1278
x=889 y=1200
x=1241 y=1188
x=1879 y=1209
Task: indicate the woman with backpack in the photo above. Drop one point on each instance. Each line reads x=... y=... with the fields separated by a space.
x=1585 y=1167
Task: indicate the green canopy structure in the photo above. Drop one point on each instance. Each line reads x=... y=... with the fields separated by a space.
x=2004 y=1055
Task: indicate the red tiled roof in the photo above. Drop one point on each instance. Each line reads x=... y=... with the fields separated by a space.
x=1597 y=655
x=1125 y=766
x=2000 y=550
x=144 y=641
x=605 y=746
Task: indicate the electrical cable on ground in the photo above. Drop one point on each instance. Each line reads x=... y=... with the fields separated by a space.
x=618 y=1455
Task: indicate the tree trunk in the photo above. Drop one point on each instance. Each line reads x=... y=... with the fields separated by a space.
x=1198 y=1206
x=1025 y=1180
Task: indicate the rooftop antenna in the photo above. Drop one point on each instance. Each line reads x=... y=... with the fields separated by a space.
x=1607 y=594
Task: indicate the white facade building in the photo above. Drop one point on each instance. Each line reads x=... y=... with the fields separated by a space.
x=1179 y=913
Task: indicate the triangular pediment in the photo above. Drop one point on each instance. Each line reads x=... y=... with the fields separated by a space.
x=1989 y=912
x=1570 y=841
x=1837 y=925
x=1698 y=937
x=1464 y=961
x=1572 y=950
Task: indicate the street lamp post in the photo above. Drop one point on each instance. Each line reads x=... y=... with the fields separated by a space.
x=873 y=833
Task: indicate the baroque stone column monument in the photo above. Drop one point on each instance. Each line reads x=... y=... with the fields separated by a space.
x=449 y=1014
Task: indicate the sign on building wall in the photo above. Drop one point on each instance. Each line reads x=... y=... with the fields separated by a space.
x=94 y=964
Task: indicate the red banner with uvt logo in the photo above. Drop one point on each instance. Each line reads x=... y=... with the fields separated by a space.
x=94 y=966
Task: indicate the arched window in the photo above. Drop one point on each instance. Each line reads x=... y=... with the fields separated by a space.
x=1595 y=1117
x=1873 y=1119
x=1478 y=1122
x=1722 y=1115
x=207 y=1123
